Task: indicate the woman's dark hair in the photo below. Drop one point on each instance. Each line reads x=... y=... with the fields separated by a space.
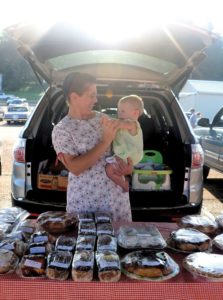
x=77 y=82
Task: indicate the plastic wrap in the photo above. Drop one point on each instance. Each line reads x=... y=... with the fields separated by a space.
x=201 y=223
x=140 y=236
x=56 y=221
x=206 y=265
x=149 y=266
x=8 y=261
x=65 y=243
x=83 y=265
x=188 y=240
x=108 y=263
x=106 y=242
x=87 y=228
x=105 y=228
x=102 y=217
x=32 y=266
x=86 y=242
x=58 y=265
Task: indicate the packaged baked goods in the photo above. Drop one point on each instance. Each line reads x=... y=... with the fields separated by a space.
x=8 y=261
x=85 y=242
x=83 y=265
x=108 y=264
x=148 y=265
x=32 y=266
x=218 y=241
x=219 y=220
x=103 y=217
x=189 y=240
x=105 y=228
x=13 y=215
x=4 y=229
x=201 y=223
x=27 y=226
x=86 y=217
x=87 y=228
x=40 y=248
x=206 y=265
x=56 y=221
x=16 y=246
x=65 y=243
x=106 y=242
x=58 y=265
x=15 y=236
x=140 y=236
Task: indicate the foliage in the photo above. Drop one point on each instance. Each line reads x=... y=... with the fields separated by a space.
x=15 y=70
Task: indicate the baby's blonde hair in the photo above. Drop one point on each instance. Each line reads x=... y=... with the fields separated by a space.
x=135 y=101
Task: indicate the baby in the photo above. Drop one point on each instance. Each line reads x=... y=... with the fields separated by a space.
x=128 y=142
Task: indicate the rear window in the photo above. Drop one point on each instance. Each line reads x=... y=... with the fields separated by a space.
x=111 y=56
x=17 y=109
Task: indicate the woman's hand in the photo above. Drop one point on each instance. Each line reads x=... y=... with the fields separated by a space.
x=109 y=127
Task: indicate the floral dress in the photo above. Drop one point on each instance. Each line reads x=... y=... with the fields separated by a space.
x=92 y=190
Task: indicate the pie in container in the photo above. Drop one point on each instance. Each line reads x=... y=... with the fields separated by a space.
x=218 y=241
x=56 y=221
x=208 y=265
x=201 y=223
x=188 y=240
x=150 y=266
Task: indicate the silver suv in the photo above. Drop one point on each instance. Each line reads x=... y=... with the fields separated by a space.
x=154 y=66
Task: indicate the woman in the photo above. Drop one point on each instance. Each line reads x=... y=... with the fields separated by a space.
x=82 y=141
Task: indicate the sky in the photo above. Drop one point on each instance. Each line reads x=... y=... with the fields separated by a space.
x=129 y=12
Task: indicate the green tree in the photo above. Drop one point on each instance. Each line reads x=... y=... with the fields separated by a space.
x=15 y=70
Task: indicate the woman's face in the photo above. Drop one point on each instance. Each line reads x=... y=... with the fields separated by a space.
x=87 y=100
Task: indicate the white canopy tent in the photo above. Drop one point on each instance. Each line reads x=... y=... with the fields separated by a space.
x=204 y=96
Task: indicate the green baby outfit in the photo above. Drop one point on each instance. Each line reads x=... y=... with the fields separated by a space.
x=126 y=145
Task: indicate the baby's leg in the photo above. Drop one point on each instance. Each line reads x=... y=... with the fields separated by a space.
x=111 y=171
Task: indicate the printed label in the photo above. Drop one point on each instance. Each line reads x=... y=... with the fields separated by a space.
x=32 y=264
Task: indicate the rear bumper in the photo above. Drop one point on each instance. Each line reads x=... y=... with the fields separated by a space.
x=168 y=214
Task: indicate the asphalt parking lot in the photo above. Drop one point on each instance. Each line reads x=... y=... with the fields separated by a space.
x=213 y=188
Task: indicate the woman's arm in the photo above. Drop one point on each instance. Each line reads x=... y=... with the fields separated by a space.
x=80 y=163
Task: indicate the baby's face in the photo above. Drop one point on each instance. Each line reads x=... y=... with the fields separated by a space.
x=126 y=111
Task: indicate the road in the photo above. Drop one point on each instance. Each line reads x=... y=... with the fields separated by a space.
x=213 y=188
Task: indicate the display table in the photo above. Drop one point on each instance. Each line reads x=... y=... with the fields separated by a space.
x=183 y=286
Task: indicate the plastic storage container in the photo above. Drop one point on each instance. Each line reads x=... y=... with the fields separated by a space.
x=151 y=173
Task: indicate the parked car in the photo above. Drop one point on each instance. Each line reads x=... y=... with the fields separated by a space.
x=3 y=96
x=17 y=101
x=151 y=67
x=1 y=113
x=211 y=139
x=16 y=114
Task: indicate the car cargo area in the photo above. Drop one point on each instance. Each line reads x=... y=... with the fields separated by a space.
x=159 y=135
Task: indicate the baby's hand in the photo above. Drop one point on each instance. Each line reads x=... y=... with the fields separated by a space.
x=109 y=127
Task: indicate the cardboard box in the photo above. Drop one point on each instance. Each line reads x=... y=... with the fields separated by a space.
x=151 y=180
x=50 y=182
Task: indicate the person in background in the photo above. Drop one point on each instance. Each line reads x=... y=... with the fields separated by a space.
x=199 y=116
x=193 y=118
x=129 y=139
x=82 y=141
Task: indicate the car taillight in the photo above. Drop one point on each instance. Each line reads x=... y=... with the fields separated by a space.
x=19 y=151
x=197 y=156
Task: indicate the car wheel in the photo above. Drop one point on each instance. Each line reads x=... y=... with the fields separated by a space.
x=206 y=171
x=8 y=122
